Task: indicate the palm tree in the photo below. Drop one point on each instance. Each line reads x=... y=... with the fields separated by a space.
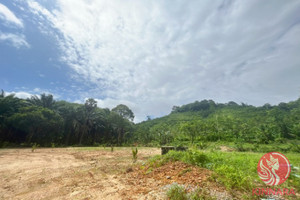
x=45 y=101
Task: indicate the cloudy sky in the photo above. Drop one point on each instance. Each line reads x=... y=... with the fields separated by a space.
x=151 y=55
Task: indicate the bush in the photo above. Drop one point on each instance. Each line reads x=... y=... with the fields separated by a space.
x=200 y=194
x=295 y=147
x=176 y=192
x=240 y=146
x=202 y=145
x=195 y=158
x=34 y=147
x=4 y=144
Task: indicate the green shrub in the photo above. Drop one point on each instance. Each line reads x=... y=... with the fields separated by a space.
x=200 y=194
x=34 y=147
x=240 y=146
x=295 y=147
x=176 y=192
x=202 y=145
x=4 y=144
x=195 y=158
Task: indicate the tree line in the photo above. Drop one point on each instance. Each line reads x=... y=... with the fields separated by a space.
x=207 y=121
x=42 y=120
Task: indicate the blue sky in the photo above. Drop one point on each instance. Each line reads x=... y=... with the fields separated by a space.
x=151 y=55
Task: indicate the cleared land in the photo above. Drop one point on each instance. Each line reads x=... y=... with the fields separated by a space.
x=71 y=173
x=97 y=173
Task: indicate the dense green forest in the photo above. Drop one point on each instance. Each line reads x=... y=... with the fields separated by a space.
x=44 y=121
x=47 y=122
x=207 y=121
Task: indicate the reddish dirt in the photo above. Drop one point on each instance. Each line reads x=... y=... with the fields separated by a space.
x=77 y=173
x=147 y=179
x=68 y=173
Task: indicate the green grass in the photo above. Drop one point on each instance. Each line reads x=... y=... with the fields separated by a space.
x=107 y=148
x=177 y=192
x=286 y=147
x=234 y=170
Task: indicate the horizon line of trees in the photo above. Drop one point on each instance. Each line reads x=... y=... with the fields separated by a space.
x=207 y=121
x=42 y=120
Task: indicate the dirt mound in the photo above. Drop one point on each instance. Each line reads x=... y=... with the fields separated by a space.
x=177 y=172
x=148 y=180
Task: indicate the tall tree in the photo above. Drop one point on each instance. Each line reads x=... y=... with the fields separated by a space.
x=124 y=112
x=44 y=100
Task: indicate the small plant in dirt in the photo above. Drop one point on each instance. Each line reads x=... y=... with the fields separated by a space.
x=134 y=154
x=199 y=194
x=112 y=148
x=184 y=171
x=53 y=145
x=34 y=147
x=176 y=192
x=202 y=145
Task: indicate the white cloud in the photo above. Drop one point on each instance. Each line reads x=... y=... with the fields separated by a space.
x=27 y=93
x=9 y=17
x=21 y=94
x=155 y=54
x=17 y=40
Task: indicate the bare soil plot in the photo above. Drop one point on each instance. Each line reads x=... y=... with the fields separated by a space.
x=92 y=173
x=66 y=173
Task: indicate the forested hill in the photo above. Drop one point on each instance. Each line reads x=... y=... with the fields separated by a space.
x=44 y=121
x=210 y=121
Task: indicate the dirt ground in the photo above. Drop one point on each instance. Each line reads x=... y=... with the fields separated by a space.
x=93 y=173
x=68 y=173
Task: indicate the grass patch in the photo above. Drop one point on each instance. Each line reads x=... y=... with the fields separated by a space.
x=177 y=192
x=234 y=170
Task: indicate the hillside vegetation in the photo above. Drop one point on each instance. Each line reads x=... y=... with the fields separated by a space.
x=207 y=121
x=44 y=121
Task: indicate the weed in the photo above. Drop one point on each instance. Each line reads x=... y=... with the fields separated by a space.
x=200 y=194
x=149 y=170
x=112 y=148
x=202 y=145
x=184 y=171
x=176 y=192
x=195 y=158
x=296 y=147
x=240 y=146
x=134 y=154
x=53 y=145
x=34 y=147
